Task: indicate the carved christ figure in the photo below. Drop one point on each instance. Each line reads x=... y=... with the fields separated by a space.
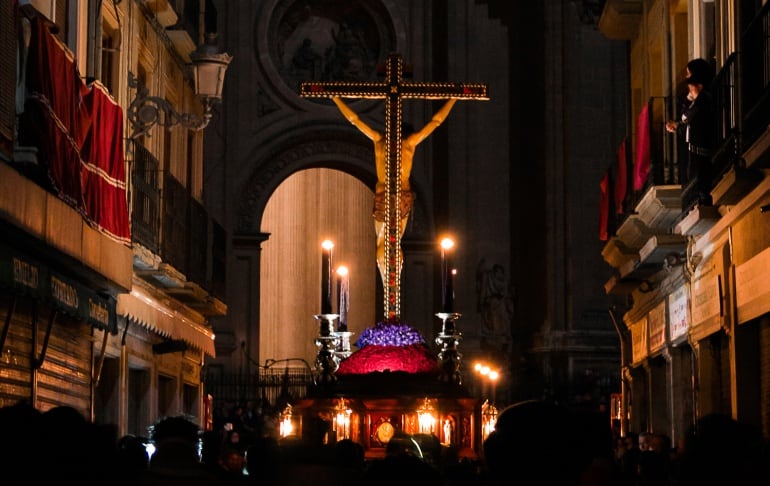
x=405 y=197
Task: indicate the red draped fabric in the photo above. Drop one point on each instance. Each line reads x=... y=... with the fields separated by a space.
x=55 y=87
x=80 y=135
x=604 y=207
x=103 y=172
x=642 y=160
x=621 y=178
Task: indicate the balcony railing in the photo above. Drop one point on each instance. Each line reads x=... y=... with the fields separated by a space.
x=663 y=168
x=755 y=76
x=145 y=223
x=174 y=224
x=727 y=127
x=171 y=224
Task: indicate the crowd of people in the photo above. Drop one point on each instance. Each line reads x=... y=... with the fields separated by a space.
x=535 y=442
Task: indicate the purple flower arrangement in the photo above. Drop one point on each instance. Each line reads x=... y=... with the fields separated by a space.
x=389 y=334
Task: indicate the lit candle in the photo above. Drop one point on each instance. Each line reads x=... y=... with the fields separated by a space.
x=446 y=282
x=343 y=291
x=326 y=277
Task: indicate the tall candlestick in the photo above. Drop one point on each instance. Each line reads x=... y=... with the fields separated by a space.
x=447 y=293
x=450 y=292
x=343 y=291
x=443 y=280
x=326 y=277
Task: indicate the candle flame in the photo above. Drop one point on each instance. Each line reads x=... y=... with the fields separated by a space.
x=327 y=244
x=342 y=270
x=447 y=243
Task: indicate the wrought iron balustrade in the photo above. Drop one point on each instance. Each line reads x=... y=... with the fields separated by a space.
x=145 y=197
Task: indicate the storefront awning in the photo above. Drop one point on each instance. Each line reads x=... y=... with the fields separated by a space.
x=168 y=323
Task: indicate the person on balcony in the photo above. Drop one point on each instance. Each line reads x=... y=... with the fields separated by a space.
x=697 y=119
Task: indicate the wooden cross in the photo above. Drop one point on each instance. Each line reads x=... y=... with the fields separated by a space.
x=393 y=90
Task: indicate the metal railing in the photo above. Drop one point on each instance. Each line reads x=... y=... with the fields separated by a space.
x=169 y=222
x=145 y=195
x=726 y=113
x=755 y=76
x=272 y=387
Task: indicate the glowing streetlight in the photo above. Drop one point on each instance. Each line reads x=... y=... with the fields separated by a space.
x=487 y=374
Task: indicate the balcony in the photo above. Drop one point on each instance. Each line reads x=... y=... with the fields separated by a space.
x=644 y=241
x=755 y=93
x=665 y=213
x=620 y=19
x=62 y=181
x=182 y=23
x=178 y=247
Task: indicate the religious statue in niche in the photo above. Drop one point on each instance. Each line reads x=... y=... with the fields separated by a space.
x=465 y=437
x=328 y=40
x=495 y=304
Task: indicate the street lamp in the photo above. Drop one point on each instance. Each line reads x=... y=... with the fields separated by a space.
x=493 y=376
x=208 y=72
x=487 y=374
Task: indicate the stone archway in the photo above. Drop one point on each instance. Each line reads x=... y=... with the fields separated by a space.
x=255 y=323
x=307 y=207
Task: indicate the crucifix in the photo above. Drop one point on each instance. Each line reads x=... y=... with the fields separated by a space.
x=393 y=90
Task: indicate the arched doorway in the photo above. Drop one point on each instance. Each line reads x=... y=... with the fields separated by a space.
x=310 y=206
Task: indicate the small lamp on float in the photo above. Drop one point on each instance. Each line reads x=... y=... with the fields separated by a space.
x=342 y=415
x=286 y=427
x=426 y=418
x=488 y=419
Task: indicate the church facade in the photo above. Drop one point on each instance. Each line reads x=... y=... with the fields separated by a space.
x=514 y=180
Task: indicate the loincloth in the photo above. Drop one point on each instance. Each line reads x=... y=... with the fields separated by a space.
x=405 y=201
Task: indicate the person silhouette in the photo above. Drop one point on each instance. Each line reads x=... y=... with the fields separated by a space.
x=409 y=142
x=544 y=440
x=698 y=121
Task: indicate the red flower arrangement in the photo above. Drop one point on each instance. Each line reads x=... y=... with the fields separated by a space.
x=389 y=346
x=413 y=358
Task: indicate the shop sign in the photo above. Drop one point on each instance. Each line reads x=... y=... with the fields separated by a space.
x=752 y=294
x=706 y=295
x=639 y=340
x=27 y=276
x=678 y=313
x=657 y=326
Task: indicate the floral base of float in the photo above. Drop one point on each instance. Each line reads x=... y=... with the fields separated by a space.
x=390 y=347
x=386 y=386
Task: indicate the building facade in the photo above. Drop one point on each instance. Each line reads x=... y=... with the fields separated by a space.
x=695 y=335
x=109 y=274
